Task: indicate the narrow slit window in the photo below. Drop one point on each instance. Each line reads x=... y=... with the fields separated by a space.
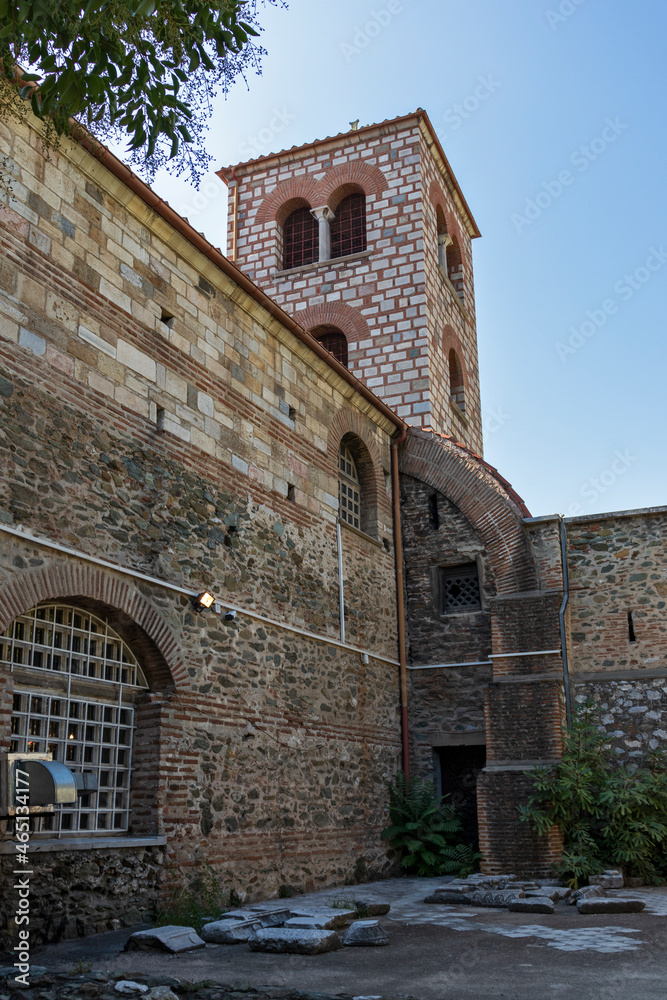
x=631 y=628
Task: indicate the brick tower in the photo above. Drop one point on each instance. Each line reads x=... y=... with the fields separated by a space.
x=365 y=237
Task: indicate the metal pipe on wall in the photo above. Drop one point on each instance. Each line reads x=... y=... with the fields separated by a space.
x=341 y=591
x=400 y=600
x=561 y=617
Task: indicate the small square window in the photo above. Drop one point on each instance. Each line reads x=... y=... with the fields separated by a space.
x=459 y=589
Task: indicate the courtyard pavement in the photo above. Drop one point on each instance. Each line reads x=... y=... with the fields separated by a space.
x=435 y=953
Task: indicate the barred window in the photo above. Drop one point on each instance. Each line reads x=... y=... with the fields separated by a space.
x=75 y=682
x=300 y=239
x=349 y=493
x=459 y=588
x=348 y=230
x=334 y=340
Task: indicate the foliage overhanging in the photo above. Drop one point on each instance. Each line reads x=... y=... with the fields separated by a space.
x=143 y=70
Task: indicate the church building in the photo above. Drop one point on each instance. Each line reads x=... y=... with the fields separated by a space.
x=252 y=559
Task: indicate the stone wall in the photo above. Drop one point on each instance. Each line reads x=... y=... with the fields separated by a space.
x=155 y=416
x=75 y=893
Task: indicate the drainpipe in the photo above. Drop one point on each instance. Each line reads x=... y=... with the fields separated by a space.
x=561 y=616
x=398 y=553
x=341 y=592
x=235 y=215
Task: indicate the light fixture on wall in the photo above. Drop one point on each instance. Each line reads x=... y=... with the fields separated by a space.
x=203 y=601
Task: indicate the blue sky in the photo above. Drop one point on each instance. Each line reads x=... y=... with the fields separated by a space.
x=559 y=144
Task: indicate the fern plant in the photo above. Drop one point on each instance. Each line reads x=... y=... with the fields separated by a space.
x=426 y=831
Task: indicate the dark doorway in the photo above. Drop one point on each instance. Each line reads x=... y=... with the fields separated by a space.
x=459 y=767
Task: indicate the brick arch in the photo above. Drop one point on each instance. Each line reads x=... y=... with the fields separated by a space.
x=295 y=191
x=353 y=425
x=493 y=511
x=348 y=319
x=438 y=199
x=132 y=615
x=352 y=176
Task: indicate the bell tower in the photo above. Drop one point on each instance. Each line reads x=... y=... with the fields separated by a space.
x=365 y=238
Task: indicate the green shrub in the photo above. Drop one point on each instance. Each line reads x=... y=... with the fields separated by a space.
x=609 y=814
x=426 y=831
x=189 y=905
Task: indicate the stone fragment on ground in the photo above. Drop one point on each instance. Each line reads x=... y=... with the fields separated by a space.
x=161 y=993
x=269 y=918
x=365 y=934
x=128 y=986
x=295 y=941
x=230 y=931
x=495 y=898
x=449 y=898
x=306 y=923
x=330 y=916
x=373 y=907
x=172 y=938
x=610 y=905
x=610 y=879
x=587 y=892
x=532 y=904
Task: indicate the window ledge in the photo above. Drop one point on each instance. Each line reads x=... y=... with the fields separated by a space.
x=457 y=297
x=38 y=846
x=332 y=262
x=459 y=412
x=362 y=534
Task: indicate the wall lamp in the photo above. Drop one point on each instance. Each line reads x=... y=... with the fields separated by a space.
x=203 y=601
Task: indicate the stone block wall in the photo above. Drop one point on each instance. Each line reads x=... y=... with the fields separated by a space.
x=399 y=314
x=154 y=415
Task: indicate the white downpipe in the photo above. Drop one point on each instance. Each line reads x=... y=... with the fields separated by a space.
x=341 y=592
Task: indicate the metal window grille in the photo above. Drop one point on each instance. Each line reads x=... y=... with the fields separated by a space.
x=75 y=678
x=334 y=341
x=300 y=239
x=349 y=494
x=348 y=230
x=460 y=588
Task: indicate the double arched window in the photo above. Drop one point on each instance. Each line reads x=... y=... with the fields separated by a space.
x=76 y=682
x=319 y=234
x=449 y=254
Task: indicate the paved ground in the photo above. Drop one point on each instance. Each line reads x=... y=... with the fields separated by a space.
x=436 y=953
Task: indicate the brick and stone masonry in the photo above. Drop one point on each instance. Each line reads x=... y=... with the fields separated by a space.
x=156 y=416
x=401 y=311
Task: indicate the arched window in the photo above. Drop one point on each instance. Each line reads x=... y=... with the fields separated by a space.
x=456 y=384
x=334 y=340
x=300 y=239
x=348 y=229
x=75 y=683
x=349 y=488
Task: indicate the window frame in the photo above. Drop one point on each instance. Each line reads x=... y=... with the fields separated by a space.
x=450 y=571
